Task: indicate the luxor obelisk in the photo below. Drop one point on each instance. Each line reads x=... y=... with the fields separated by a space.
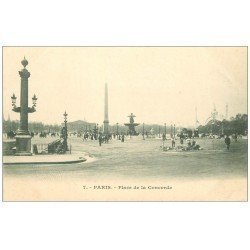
x=106 y=115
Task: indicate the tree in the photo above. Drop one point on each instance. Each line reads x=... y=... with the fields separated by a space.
x=236 y=125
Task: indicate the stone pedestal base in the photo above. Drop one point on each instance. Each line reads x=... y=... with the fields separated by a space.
x=23 y=145
x=106 y=127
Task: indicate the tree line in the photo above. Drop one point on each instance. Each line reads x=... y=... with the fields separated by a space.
x=9 y=125
x=236 y=125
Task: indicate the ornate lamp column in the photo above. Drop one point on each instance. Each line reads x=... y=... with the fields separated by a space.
x=65 y=139
x=143 y=131
x=117 y=129
x=23 y=138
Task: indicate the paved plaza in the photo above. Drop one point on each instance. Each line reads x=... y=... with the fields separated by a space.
x=135 y=162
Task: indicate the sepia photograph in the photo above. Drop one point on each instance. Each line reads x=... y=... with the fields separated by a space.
x=125 y=123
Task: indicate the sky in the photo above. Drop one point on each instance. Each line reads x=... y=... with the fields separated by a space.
x=158 y=84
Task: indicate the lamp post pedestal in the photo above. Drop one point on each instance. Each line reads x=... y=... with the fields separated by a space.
x=23 y=145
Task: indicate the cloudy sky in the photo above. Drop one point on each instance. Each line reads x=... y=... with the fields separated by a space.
x=157 y=84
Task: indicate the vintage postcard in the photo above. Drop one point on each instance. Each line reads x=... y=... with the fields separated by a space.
x=125 y=124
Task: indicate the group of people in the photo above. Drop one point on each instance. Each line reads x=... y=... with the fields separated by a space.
x=105 y=138
x=192 y=145
x=102 y=138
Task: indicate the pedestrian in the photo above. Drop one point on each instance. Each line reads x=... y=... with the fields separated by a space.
x=227 y=141
x=100 y=140
x=163 y=137
x=173 y=142
x=235 y=137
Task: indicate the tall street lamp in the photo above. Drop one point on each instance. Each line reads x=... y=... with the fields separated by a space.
x=117 y=129
x=143 y=131
x=23 y=138
x=65 y=136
